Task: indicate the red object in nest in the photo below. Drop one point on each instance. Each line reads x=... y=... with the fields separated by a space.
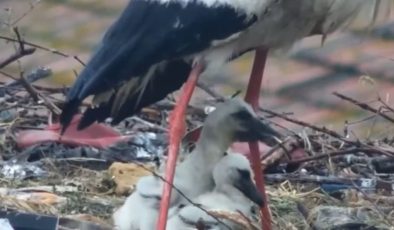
x=96 y=135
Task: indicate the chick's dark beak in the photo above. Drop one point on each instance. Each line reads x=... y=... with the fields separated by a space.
x=266 y=133
x=248 y=188
x=256 y=130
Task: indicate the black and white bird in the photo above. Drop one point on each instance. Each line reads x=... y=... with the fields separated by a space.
x=150 y=49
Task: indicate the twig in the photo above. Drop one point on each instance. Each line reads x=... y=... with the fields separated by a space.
x=331 y=154
x=54 y=51
x=21 y=52
x=32 y=7
x=29 y=88
x=149 y=124
x=363 y=106
x=310 y=178
x=9 y=76
x=385 y=104
x=330 y=133
x=304 y=124
x=16 y=56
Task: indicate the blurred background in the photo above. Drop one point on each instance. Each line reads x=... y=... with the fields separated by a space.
x=300 y=81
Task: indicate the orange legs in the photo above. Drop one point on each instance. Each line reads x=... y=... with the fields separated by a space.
x=177 y=128
x=252 y=97
x=176 y=132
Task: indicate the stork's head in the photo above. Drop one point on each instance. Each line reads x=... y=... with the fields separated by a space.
x=234 y=170
x=235 y=121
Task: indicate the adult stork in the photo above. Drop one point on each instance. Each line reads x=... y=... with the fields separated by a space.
x=153 y=46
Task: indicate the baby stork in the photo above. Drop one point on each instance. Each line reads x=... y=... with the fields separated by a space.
x=234 y=192
x=234 y=120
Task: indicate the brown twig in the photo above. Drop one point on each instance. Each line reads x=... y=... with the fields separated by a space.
x=16 y=56
x=386 y=106
x=330 y=133
x=32 y=7
x=331 y=154
x=363 y=106
x=29 y=88
x=21 y=52
x=54 y=51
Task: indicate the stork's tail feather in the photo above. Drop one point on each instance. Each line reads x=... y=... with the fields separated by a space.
x=131 y=97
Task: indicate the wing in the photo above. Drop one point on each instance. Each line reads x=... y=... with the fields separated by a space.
x=148 y=32
x=130 y=98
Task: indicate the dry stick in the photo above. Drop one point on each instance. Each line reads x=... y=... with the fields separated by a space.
x=329 y=132
x=21 y=52
x=331 y=154
x=29 y=88
x=16 y=56
x=37 y=96
x=9 y=76
x=363 y=106
x=32 y=7
x=54 y=51
x=386 y=106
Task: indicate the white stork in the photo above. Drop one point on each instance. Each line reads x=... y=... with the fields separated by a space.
x=150 y=50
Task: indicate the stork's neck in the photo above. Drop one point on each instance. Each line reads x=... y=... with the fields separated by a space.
x=213 y=142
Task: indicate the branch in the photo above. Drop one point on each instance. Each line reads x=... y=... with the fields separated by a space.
x=21 y=52
x=331 y=154
x=54 y=51
x=363 y=106
x=29 y=88
x=16 y=56
x=330 y=133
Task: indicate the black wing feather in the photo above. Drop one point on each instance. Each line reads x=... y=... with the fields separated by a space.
x=147 y=33
x=166 y=80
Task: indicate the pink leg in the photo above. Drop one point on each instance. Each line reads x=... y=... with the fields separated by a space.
x=252 y=97
x=177 y=129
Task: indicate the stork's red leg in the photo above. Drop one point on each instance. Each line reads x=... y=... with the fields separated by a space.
x=252 y=97
x=177 y=129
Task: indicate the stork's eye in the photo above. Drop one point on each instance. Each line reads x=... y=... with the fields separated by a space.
x=242 y=115
x=244 y=174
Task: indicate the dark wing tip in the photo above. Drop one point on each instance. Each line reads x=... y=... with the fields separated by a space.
x=70 y=108
x=92 y=115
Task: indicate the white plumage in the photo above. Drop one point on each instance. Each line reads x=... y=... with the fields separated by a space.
x=234 y=191
x=233 y=120
x=281 y=23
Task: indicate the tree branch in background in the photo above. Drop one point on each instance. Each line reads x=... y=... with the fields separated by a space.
x=21 y=52
x=54 y=51
x=363 y=106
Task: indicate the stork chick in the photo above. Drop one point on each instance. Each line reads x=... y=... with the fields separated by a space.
x=234 y=192
x=232 y=121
